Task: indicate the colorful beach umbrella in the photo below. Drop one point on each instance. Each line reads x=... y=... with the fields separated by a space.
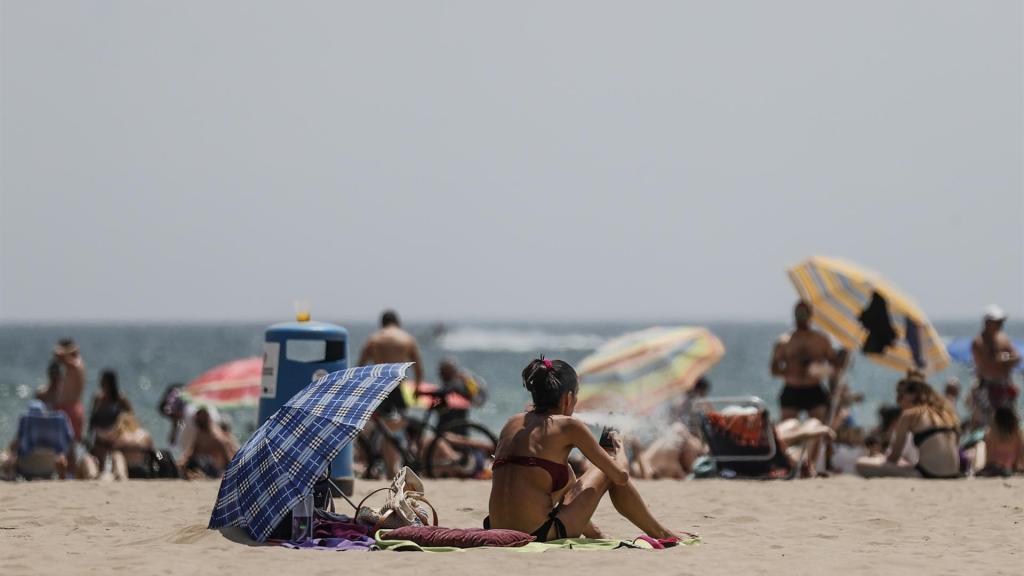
x=638 y=371
x=291 y=450
x=960 y=350
x=233 y=384
x=866 y=313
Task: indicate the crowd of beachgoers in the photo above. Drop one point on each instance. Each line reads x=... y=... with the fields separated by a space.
x=57 y=437
x=921 y=434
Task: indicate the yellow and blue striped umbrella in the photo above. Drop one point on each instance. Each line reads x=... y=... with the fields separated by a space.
x=638 y=371
x=840 y=291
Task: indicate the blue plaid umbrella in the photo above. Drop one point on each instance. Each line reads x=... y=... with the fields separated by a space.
x=291 y=450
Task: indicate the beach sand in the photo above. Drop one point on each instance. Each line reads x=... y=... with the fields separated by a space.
x=837 y=525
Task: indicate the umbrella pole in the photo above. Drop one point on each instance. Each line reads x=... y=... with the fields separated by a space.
x=340 y=493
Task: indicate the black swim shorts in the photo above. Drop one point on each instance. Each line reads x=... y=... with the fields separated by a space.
x=804 y=397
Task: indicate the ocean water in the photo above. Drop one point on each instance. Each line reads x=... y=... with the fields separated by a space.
x=149 y=357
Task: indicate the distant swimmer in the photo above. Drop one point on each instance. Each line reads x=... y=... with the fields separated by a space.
x=804 y=359
x=994 y=359
x=392 y=344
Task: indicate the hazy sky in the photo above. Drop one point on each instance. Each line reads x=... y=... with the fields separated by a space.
x=524 y=160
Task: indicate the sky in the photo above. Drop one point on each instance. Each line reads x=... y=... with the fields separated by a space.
x=534 y=161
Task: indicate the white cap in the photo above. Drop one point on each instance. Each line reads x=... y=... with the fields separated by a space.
x=995 y=313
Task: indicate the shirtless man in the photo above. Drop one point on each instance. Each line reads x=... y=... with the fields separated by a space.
x=804 y=359
x=392 y=344
x=68 y=396
x=994 y=360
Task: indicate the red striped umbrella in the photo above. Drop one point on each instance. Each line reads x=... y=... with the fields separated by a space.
x=233 y=384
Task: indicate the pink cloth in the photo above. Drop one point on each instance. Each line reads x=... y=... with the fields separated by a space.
x=460 y=537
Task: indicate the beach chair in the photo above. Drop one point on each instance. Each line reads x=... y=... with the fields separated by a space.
x=40 y=464
x=741 y=438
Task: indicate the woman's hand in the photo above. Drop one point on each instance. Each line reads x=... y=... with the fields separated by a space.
x=610 y=461
x=618 y=452
x=616 y=446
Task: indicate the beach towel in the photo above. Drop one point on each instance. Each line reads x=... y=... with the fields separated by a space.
x=384 y=543
x=335 y=532
x=362 y=544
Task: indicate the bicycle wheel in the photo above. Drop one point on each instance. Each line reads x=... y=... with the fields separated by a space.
x=461 y=449
x=365 y=454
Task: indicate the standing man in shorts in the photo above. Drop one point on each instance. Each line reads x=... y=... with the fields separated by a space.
x=68 y=396
x=392 y=344
x=805 y=360
x=994 y=360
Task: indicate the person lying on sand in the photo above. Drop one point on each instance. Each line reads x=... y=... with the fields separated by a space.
x=929 y=420
x=670 y=455
x=533 y=488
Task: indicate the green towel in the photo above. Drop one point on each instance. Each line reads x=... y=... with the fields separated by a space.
x=563 y=544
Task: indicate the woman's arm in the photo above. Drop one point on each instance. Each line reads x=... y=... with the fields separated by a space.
x=1020 y=451
x=580 y=437
x=899 y=437
x=226 y=444
x=778 y=364
x=92 y=411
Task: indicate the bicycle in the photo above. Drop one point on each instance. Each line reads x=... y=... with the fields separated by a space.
x=457 y=448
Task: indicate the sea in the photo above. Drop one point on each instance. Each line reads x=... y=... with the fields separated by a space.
x=148 y=358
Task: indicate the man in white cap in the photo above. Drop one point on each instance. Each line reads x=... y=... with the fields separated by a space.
x=994 y=360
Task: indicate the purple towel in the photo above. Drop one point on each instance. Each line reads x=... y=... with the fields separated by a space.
x=337 y=536
x=347 y=530
x=364 y=544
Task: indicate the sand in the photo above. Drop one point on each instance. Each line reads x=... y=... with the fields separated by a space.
x=838 y=525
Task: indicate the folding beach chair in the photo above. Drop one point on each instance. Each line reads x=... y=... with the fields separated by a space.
x=741 y=438
x=40 y=464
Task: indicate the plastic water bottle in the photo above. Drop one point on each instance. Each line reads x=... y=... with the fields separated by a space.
x=302 y=519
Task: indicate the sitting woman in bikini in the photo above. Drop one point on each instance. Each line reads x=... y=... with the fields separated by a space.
x=932 y=424
x=533 y=488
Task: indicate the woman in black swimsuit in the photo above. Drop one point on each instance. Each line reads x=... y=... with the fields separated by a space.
x=534 y=490
x=931 y=423
x=107 y=406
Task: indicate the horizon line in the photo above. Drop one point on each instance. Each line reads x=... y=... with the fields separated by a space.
x=470 y=320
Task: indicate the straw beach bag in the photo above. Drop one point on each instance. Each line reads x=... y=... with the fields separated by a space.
x=404 y=505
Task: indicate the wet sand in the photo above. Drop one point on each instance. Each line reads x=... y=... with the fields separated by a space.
x=837 y=525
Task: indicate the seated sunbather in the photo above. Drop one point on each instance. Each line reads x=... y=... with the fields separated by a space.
x=533 y=488
x=929 y=420
x=1004 y=444
x=131 y=446
x=210 y=451
x=42 y=443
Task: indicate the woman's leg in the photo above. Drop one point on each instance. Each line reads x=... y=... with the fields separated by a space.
x=581 y=501
x=88 y=468
x=880 y=467
x=592 y=531
x=632 y=507
x=119 y=465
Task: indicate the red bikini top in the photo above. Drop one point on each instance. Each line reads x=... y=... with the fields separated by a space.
x=559 y=472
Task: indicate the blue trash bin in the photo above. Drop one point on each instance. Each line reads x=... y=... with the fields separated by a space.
x=295 y=354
